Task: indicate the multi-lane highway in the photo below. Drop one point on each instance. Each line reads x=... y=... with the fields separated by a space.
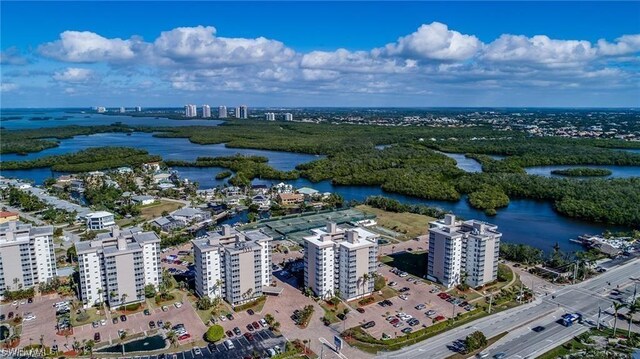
x=522 y=342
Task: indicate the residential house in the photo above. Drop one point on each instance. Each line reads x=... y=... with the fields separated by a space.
x=289 y=199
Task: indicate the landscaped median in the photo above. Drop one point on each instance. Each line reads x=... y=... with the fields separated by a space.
x=256 y=305
x=362 y=340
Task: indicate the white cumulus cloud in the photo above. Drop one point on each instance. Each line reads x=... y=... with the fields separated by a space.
x=434 y=42
x=624 y=45
x=74 y=75
x=85 y=46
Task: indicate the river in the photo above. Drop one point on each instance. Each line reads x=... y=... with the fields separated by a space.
x=523 y=221
x=61 y=117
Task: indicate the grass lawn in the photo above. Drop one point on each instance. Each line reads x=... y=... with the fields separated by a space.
x=410 y=224
x=385 y=293
x=256 y=304
x=330 y=311
x=561 y=349
x=92 y=316
x=205 y=315
x=155 y=210
x=411 y=262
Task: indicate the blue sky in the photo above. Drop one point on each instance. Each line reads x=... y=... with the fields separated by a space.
x=320 y=54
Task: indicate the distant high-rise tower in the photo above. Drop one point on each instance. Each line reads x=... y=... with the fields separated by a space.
x=138 y=109
x=122 y=110
x=270 y=116
x=190 y=111
x=242 y=112
x=288 y=117
x=206 y=111
x=101 y=109
x=222 y=112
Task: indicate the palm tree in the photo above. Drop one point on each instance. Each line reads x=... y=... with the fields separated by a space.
x=171 y=335
x=365 y=280
x=89 y=346
x=122 y=300
x=616 y=306
x=633 y=309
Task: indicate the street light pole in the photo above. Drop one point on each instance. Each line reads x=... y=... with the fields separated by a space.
x=490 y=301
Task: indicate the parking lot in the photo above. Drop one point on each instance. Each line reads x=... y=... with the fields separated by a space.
x=262 y=340
x=420 y=294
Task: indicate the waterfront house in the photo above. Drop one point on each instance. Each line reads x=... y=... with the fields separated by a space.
x=143 y=200
x=288 y=199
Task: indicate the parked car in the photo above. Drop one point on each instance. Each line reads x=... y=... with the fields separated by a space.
x=250 y=311
x=160 y=323
x=229 y=334
x=230 y=316
x=420 y=306
x=114 y=320
x=10 y=315
x=255 y=325
x=2 y=317
x=229 y=344
x=165 y=308
x=95 y=324
x=360 y=310
x=430 y=312
x=237 y=331
x=249 y=327
x=177 y=304
x=96 y=337
x=249 y=336
x=404 y=289
x=197 y=351
x=103 y=322
x=538 y=329
x=407 y=330
x=152 y=324
x=147 y=312
x=123 y=318
x=263 y=323
x=368 y=325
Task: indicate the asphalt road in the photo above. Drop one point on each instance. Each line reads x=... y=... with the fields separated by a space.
x=522 y=342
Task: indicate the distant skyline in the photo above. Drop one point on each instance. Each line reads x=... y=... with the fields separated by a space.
x=310 y=54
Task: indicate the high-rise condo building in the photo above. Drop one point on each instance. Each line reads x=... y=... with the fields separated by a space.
x=288 y=117
x=242 y=112
x=232 y=265
x=116 y=266
x=206 y=111
x=138 y=109
x=26 y=255
x=463 y=250
x=222 y=112
x=340 y=261
x=190 y=111
x=122 y=110
x=270 y=116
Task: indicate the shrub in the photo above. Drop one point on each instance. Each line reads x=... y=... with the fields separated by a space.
x=82 y=317
x=164 y=298
x=149 y=291
x=214 y=333
x=250 y=304
x=379 y=283
x=132 y=306
x=367 y=300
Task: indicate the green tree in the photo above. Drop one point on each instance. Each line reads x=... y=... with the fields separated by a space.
x=475 y=341
x=214 y=333
x=149 y=291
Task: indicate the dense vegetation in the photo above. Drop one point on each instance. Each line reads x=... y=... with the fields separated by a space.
x=392 y=205
x=521 y=253
x=36 y=140
x=409 y=169
x=488 y=198
x=245 y=167
x=583 y=172
x=91 y=159
x=410 y=166
x=223 y=175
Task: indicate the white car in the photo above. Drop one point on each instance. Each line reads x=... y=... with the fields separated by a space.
x=178 y=304
x=229 y=344
x=263 y=323
x=271 y=352
x=103 y=322
x=29 y=317
x=197 y=351
x=222 y=318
